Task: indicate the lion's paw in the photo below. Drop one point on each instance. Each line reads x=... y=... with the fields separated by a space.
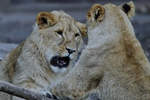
x=50 y=95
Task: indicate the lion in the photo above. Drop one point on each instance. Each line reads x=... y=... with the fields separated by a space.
x=46 y=55
x=113 y=65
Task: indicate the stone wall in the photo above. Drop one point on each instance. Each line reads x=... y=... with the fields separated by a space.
x=71 y=1
x=4 y=4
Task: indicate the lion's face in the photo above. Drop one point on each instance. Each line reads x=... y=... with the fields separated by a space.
x=60 y=38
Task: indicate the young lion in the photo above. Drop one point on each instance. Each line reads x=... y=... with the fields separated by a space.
x=113 y=66
x=46 y=55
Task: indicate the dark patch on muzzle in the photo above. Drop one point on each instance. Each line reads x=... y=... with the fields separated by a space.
x=60 y=62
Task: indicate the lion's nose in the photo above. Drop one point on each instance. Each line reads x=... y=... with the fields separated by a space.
x=70 y=51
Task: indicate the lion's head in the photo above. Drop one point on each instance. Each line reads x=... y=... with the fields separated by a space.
x=110 y=18
x=59 y=37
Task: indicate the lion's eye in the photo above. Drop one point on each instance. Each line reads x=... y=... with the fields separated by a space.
x=60 y=32
x=77 y=34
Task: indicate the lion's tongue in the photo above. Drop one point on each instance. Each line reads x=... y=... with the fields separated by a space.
x=60 y=61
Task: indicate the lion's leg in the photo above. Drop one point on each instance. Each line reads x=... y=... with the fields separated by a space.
x=17 y=98
x=4 y=96
x=4 y=77
x=33 y=87
x=27 y=85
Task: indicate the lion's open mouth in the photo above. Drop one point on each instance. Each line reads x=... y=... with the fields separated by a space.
x=60 y=61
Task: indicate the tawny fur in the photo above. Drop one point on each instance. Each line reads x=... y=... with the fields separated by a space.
x=28 y=65
x=113 y=65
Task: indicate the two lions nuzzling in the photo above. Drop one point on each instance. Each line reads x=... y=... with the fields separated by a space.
x=113 y=65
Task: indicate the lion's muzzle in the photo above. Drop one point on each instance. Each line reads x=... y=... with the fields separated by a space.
x=60 y=62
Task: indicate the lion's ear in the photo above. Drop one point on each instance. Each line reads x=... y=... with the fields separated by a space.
x=45 y=20
x=96 y=13
x=128 y=8
x=82 y=28
x=83 y=31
